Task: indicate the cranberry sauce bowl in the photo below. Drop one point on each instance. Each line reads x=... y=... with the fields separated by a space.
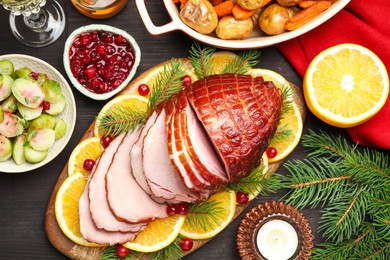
x=100 y=60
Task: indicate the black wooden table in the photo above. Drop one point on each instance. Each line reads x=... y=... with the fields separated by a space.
x=24 y=196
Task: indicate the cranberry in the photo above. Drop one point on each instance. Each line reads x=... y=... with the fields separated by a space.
x=271 y=152
x=186 y=80
x=122 y=251
x=45 y=105
x=182 y=209
x=90 y=72
x=172 y=209
x=186 y=244
x=101 y=60
x=88 y=164
x=34 y=75
x=242 y=197
x=106 y=140
x=143 y=89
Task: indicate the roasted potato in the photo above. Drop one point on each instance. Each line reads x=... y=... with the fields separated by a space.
x=199 y=15
x=273 y=19
x=229 y=28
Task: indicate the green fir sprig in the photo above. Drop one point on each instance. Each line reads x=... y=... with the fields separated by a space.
x=205 y=214
x=202 y=58
x=352 y=186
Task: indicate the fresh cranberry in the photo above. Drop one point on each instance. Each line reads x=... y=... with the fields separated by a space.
x=88 y=164
x=186 y=80
x=242 y=197
x=186 y=244
x=90 y=72
x=45 y=105
x=34 y=75
x=106 y=140
x=143 y=89
x=122 y=251
x=172 y=209
x=182 y=209
x=271 y=152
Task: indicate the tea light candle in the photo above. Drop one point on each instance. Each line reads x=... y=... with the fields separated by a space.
x=277 y=240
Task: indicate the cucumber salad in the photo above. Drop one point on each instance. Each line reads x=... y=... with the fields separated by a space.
x=30 y=108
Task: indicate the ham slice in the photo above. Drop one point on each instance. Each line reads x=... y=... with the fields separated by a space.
x=91 y=233
x=127 y=200
x=240 y=115
x=99 y=207
x=163 y=180
x=136 y=159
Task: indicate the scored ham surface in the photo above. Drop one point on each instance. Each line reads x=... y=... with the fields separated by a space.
x=209 y=134
x=240 y=114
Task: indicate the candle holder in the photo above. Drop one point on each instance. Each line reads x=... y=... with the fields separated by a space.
x=255 y=221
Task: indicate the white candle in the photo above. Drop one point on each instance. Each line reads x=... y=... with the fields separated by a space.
x=277 y=240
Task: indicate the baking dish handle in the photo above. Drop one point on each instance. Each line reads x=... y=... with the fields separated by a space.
x=154 y=30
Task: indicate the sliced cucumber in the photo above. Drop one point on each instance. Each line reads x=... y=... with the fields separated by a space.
x=60 y=128
x=28 y=92
x=33 y=156
x=57 y=107
x=43 y=121
x=29 y=113
x=18 y=150
x=12 y=125
x=41 y=139
x=10 y=104
x=6 y=67
x=5 y=86
x=5 y=148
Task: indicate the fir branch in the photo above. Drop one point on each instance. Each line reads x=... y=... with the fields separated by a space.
x=200 y=56
x=245 y=61
x=313 y=182
x=205 y=214
x=172 y=252
x=121 y=119
x=167 y=83
x=343 y=216
x=257 y=182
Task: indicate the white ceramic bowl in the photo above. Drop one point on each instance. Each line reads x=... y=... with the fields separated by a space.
x=100 y=27
x=69 y=113
x=255 y=40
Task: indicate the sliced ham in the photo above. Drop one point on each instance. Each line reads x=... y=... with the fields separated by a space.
x=89 y=230
x=163 y=180
x=136 y=158
x=100 y=210
x=127 y=200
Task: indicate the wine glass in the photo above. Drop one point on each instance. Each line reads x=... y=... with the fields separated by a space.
x=35 y=23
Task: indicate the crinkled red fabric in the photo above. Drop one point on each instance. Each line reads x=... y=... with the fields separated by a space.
x=365 y=23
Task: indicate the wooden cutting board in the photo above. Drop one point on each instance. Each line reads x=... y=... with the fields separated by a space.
x=74 y=251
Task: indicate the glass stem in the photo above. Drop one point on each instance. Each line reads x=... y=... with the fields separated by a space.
x=36 y=21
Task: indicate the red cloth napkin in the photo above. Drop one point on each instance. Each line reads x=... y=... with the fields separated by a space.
x=361 y=22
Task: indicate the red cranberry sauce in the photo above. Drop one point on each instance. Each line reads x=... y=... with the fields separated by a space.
x=101 y=60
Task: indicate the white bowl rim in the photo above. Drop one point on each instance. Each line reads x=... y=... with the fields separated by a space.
x=26 y=167
x=100 y=27
x=248 y=43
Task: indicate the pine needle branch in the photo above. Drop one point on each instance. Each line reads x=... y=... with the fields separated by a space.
x=200 y=56
x=205 y=214
x=243 y=63
x=257 y=182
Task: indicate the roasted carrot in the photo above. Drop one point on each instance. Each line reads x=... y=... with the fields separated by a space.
x=182 y=2
x=224 y=8
x=306 y=15
x=240 y=13
x=216 y=2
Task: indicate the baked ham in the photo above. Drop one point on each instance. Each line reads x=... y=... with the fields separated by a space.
x=211 y=133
